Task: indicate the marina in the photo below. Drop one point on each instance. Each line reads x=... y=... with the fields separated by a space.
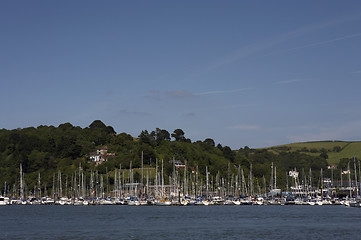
x=255 y=201
x=186 y=190
x=180 y=120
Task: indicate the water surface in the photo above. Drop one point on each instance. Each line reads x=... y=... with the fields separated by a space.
x=190 y=222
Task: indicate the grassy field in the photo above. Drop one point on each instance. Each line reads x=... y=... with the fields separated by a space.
x=146 y=171
x=346 y=149
x=352 y=149
x=329 y=145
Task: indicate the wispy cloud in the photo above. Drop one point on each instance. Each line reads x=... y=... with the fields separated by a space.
x=346 y=131
x=179 y=94
x=172 y=94
x=327 y=41
x=245 y=127
x=356 y=72
x=264 y=44
x=222 y=91
x=183 y=94
x=288 y=81
x=127 y=112
x=154 y=95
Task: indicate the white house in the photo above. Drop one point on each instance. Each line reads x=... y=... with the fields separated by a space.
x=101 y=155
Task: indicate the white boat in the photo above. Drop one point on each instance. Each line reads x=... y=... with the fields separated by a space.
x=133 y=203
x=184 y=202
x=15 y=201
x=246 y=201
x=106 y=202
x=163 y=202
x=272 y=202
x=143 y=202
x=217 y=200
x=228 y=202
x=36 y=202
x=198 y=203
x=4 y=201
x=311 y=203
x=62 y=201
x=119 y=201
x=77 y=202
x=205 y=203
x=47 y=201
x=260 y=201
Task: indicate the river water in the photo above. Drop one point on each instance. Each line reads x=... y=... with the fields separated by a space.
x=190 y=222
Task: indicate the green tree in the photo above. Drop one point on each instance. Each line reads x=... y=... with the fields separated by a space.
x=160 y=135
x=145 y=137
x=337 y=149
x=228 y=153
x=97 y=124
x=209 y=142
x=324 y=155
x=178 y=135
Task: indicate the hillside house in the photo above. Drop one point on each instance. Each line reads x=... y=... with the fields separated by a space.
x=101 y=155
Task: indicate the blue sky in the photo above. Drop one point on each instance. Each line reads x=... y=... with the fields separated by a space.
x=255 y=73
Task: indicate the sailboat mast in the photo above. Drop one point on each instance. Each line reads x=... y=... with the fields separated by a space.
x=228 y=176
x=321 y=179
x=250 y=181
x=156 y=177
x=21 y=183
x=162 y=180
x=359 y=175
x=341 y=178
x=310 y=183
x=185 y=179
x=142 y=177
x=131 y=179
x=275 y=181
x=349 y=178
x=354 y=166
x=207 y=181
x=147 y=193
x=39 y=187
x=239 y=181
x=120 y=181
x=115 y=188
x=271 y=181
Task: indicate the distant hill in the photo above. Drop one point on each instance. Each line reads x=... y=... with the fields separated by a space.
x=64 y=150
x=335 y=150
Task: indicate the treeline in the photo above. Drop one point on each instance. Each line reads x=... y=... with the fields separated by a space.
x=48 y=150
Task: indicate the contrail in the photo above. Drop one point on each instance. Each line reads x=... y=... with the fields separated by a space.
x=222 y=91
x=328 y=41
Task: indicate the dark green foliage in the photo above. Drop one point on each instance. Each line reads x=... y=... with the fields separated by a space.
x=97 y=124
x=282 y=148
x=343 y=163
x=337 y=149
x=160 y=135
x=324 y=155
x=145 y=137
x=228 y=153
x=178 y=135
x=210 y=142
x=48 y=150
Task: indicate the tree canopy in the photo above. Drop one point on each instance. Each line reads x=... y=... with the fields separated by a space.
x=49 y=149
